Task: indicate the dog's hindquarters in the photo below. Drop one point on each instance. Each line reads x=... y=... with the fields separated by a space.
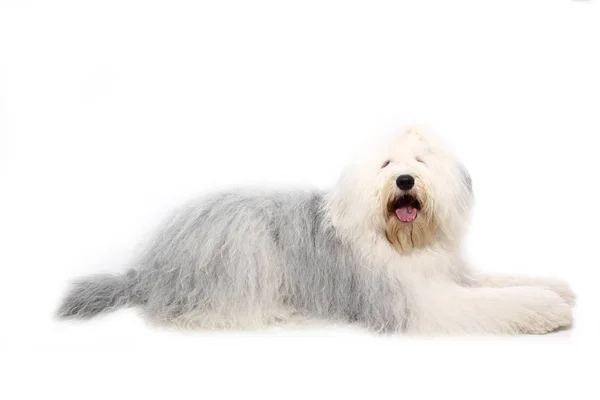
x=215 y=265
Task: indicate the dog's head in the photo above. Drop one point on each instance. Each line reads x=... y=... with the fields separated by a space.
x=408 y=190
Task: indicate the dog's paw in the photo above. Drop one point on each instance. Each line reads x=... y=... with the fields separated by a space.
x=562 y=289
x=542 y=311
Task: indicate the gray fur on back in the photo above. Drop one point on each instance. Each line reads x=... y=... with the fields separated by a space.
x=240 y=259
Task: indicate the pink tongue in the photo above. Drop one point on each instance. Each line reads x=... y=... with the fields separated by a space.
x=406 y=214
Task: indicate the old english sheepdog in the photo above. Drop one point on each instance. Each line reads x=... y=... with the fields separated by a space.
x=381 y=249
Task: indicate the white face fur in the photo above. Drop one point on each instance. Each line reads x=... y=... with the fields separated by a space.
x=368 y=201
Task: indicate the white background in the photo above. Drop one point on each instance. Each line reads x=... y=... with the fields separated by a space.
x=114 y=112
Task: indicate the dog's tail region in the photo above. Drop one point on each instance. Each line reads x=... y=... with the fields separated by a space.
x=99 y=294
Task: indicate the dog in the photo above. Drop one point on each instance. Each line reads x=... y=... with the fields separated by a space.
x=381 y=249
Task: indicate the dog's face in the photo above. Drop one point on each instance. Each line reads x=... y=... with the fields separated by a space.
x=408 y=190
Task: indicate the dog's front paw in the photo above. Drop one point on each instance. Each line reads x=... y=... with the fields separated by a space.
x=542 y=311
x=561 y=288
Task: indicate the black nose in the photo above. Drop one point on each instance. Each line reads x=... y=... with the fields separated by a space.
x=405 y=182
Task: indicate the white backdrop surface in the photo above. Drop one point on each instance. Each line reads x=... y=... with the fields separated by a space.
x=114 y=112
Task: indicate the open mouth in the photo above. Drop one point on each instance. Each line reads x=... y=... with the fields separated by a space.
x=406 y=208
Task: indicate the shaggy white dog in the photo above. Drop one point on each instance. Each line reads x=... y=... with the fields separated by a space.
x=381 y=249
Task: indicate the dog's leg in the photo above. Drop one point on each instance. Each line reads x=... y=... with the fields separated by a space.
x=450 y=308
x=503 y=281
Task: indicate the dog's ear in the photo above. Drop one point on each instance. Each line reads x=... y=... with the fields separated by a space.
x=465 y=176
